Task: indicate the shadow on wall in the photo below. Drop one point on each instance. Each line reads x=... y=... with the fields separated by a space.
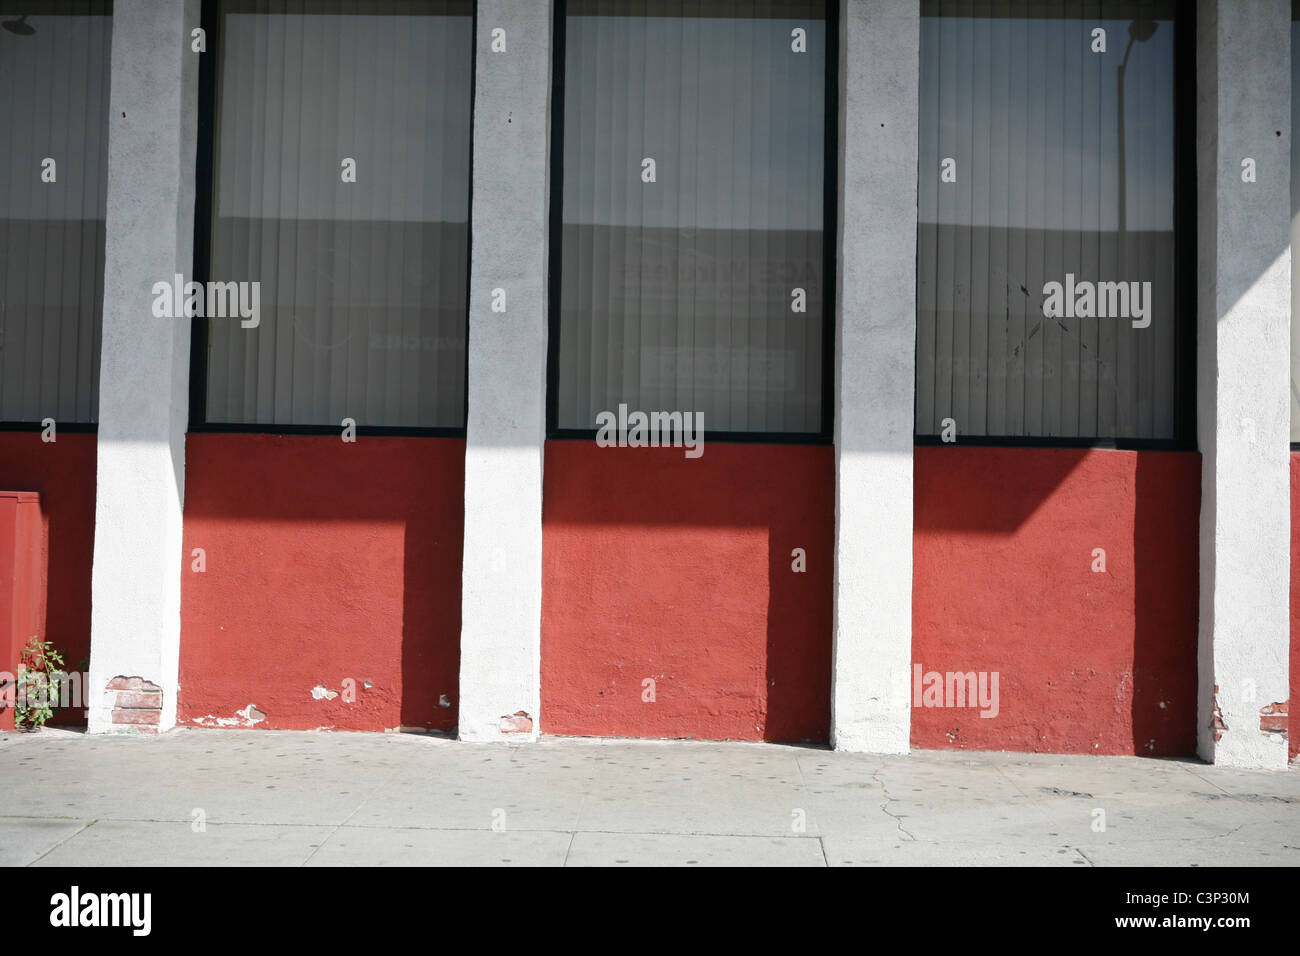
x=1166 y=590
x=679 y=571
x=1008 y=578
x=331 y=590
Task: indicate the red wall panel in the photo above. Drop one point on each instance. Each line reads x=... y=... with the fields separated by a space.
x=23 y=579
x=1293 y=736
x=679 y=570
x=63 y=472
x=325 y=562
x=1088 y=662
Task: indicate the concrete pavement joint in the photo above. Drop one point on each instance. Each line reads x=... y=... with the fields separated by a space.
x=355 y=811
x=82 y=829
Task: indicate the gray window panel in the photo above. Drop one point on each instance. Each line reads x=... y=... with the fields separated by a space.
x=1295 y=221
x=363 y=284
x=1047 y=135
x=676 y=295
x=54 y=86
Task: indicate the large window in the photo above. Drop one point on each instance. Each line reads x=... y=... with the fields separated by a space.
x=54 y=70
x=1295 y=222
x=339 y=182
x=1048 y=303
x=692 y=214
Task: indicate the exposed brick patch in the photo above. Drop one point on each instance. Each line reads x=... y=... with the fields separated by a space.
x=137 y=704
x=142 y=699
x=517 y=723
x=1273 y=718
x=1216 y=721
x=131 y=683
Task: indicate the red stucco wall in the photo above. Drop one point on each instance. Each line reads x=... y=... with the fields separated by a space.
x=1088 y=662
x=679 y=570
x=652 y=570
x=23 y=575
x=1293 y=736
x=328 y=561
x=63 y=472
x=325 y=561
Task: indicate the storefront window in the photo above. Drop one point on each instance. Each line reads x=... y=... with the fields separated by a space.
x=54 y=83
x=340 y=186
x=1047 y=289
x=693 y=273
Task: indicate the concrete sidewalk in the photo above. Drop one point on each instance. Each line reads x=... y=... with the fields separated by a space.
x=323 y=799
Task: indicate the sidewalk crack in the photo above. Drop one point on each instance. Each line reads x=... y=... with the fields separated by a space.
x=884 y=807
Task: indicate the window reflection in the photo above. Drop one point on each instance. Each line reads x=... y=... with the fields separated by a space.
x=363 y=280
x=54 y=85
x=1057 y=122
x=680 y=293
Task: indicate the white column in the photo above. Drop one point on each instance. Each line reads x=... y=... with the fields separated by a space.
x=501 y=603
x=1243 y=357
x=144 y=362
x=875 y=375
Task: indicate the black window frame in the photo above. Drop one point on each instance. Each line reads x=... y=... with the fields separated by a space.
x=830 y=249
x=210 y=20
x=1185 y=280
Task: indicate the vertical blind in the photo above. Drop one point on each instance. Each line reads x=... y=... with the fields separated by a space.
x=1295 y=220
x=1063 y=157
x=54 y=83
x=364 y=284
x=678 y=294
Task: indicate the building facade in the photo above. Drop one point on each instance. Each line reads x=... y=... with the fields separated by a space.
x=885 y=373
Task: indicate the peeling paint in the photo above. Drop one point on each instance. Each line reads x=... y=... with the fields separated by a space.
x=517 y=723
x=247 y=717
x=1216 y=720
x=320 y=692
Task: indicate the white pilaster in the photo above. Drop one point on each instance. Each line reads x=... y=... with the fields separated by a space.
x=1243 y=380
x=144 y=362
x=501 y=603
x=875 y=375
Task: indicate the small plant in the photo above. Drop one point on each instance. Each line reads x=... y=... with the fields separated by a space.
x=40 y=676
